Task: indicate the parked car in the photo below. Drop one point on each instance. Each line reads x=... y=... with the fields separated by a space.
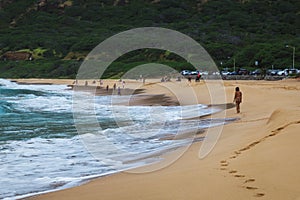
x=292 y=71
x=273 y=72
x=243 y=71
x=233 y=73
x=256 y=72
x=283 y=72
x=204 y=73
x=185 y=72
x=225 y=73
x=194 y=73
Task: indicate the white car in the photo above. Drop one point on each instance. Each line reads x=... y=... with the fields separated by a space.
x=224 y=73
x=194 y=73
x=185 y=72
x=293 y=71
x=283 y=72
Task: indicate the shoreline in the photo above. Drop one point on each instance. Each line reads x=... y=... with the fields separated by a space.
x=248 y=162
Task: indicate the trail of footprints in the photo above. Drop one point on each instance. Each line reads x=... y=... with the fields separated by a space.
x=248 y=182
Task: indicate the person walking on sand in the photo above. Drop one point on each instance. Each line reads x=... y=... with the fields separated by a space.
x=237 y=99
x=189 y=79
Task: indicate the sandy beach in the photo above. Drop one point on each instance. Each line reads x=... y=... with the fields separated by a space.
x=256 y=157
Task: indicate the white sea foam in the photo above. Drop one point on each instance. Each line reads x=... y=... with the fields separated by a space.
x=44 y=103
x=35 y=87
x=43 y=164
x=7 y=83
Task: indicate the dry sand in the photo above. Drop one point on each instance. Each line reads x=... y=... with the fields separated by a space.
x=257 y=157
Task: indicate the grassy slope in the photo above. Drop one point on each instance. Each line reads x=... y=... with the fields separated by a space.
x=249 y=31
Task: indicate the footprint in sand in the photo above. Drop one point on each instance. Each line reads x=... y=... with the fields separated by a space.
x=259 y=195
x=273 y=134
x=233 y=171
x=244 y=149
x=239 y=176
x=232 y=157
x=249 y=180
x=224 y=163
x=222 y=168
x=237 y=152
x=251 y=188
x=254 y=143
x=279 y=129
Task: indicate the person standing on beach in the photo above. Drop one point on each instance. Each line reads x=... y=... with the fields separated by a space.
x=237 y=99
x=198 y=77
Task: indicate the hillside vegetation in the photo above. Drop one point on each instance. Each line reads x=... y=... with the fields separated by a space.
x=61 y=33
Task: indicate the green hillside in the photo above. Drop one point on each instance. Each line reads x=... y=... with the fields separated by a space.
x=60 y=33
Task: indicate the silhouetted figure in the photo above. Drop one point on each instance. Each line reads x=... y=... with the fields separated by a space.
x=198 y=77
x=237 y=99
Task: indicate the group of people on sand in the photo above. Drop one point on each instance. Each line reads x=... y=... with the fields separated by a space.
x=115 y=87
x=86 y=83
x=94 y=83
x=197 y=78
x=237 y=95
